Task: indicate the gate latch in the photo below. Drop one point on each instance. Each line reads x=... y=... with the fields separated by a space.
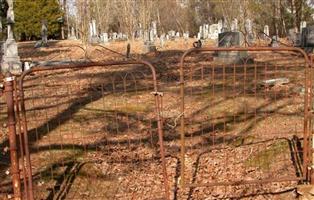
x=8 y=79
x=157 y=93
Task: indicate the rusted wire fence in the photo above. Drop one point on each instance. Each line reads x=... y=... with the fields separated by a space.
x=233 y=122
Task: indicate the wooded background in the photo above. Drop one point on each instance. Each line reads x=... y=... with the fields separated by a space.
x=179 y=15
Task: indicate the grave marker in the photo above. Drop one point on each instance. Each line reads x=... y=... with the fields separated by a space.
x=10 y=60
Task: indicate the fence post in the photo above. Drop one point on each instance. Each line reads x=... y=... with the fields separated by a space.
x=311 y=131
x=8 y=89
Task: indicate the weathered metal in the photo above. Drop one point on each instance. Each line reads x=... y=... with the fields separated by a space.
x=15 y=171
x=19 y=132
x=219 y=73
x=222 y=80
x=80 y=66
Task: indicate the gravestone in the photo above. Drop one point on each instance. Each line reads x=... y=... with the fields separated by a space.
x=124 y=37
x=274 y=41
x=151 y=35
x=93 y=32
x=162 y=40
x=220 y=24
x=213 y=31
x=302 y=25
x=224 y=26
x=72 y=35
x=114 y=36
x=186 y=35
x=266 y=32
x=294 y=37
x=307 y=38
x=154 y=28
x=104 y=38
x=227 y=40
x=149 y=44
x=205 y=30
x=140 y=34
x=10 y=60
x=146 y=35
x=119 y=36
x=172 y=34
x=44 y=32
x=249 y=30
x=198 y=35
x=234 y=25
x=94 y=27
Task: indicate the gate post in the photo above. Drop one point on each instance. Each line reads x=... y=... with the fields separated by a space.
x=8 y=90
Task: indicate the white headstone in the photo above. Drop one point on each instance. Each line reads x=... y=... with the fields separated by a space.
x=198 y=35
x=26 y=66
x=140 y=31
x=213 y=31
x=302 y=25
x=91 y=34
x=234 y=25
x=205 y=29
x=105 y=38
x=114 y=35
x=154 y=27
x=10 y=59
x=201 y=32
x=146 y=35
x=266 y=30
x=44 y=32
x=220 y=24
x=94 y=27
x=162 y=40
x=248 y=26
x=72 y=35
x=151 y=35
x=186 y=35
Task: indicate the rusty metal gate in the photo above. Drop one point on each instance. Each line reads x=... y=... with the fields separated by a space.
x=88 y=131
x=95 y=130
x=245 y=121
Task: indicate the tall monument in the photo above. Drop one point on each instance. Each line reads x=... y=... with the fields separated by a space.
x=10 y=60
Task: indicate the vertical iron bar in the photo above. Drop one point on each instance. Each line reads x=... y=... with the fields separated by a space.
x=158 y=98
x=19 y=131
x=25 y=135
x=8 y=89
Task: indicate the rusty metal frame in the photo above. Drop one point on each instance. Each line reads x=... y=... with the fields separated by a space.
x=307 y=151
x=14 y=171
x=23 y=121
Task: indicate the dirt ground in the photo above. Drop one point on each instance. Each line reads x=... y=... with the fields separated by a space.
x=93 y=132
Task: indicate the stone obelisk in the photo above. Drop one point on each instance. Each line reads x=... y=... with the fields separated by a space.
x=10 y=60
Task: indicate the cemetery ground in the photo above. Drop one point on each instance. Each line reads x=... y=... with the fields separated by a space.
x=93 y=136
